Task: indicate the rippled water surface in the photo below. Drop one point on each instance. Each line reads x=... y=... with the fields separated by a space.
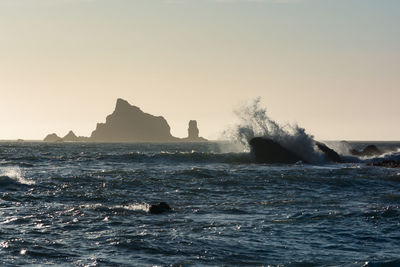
x=87 y=204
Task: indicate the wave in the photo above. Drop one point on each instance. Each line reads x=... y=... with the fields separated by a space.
x=185 y=157
x=13 y=176
x=254 y=122
x=119 y=208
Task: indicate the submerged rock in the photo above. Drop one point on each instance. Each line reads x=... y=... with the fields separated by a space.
x=267 y=151
x=368 y=151
x=159 y=208
x=386 y=163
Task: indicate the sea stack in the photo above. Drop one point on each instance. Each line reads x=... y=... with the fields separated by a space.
x=52 y=138
x=71 y=137
x=193 y=133
x=130 y=124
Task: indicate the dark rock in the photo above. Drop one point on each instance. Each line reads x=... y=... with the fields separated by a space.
x=159 y=208
x=52 y=138
x=386 y=163
x=129 y=124
x=368 y=151
x=330 y=154
x=267 y=151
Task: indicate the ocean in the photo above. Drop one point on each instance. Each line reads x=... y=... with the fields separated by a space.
x=87 y=204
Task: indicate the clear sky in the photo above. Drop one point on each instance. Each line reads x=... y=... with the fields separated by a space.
x=332 y=66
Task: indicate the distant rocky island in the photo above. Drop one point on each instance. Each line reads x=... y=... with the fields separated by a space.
x=129 y=123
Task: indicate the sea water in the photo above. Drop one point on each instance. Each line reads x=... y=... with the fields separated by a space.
x=86 y=204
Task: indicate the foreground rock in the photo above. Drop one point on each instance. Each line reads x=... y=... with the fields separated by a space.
x=267 y=151
x=368 y=151
x=386 y=163
x=329 y=154
x=159 y=208
x=129 y=124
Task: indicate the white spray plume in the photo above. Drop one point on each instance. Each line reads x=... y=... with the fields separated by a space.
x=254 y=122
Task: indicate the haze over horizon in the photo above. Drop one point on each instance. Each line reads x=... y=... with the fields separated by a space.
x=329 y=65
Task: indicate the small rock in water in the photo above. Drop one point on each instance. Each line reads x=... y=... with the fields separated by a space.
x=386 y=163
x=159 y=208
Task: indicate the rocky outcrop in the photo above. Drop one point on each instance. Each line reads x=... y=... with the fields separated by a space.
x=130 y=124
x=329 y=154
x=52 y=138
x=368 y=151
x=71 y=137
x=159 y=208
x=267 y=151
x=386 y=163
x=193 y=133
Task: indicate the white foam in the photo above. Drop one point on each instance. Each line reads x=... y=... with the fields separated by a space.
x=15 y=173
x=134 y=207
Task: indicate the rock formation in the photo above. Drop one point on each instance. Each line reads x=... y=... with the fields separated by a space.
x=159 y=208
x=71 y=137
x=368 y=151
x=130 y=124
x=330 y=154
x=193 y=133
x=267 y=151
x=52 y=138
x=386 y=163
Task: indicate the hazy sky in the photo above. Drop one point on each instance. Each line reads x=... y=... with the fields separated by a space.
x=332 y=66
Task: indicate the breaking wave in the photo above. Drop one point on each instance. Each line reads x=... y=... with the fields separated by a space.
x=254 y=122
x=11 y=176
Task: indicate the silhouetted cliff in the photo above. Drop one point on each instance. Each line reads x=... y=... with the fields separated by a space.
x=129 y=124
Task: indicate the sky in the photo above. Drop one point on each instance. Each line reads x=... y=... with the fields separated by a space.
x=331 y=66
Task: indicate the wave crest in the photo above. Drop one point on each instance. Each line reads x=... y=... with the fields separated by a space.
x=13 y=176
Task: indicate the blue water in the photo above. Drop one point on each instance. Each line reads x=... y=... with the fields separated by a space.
x=87 y=204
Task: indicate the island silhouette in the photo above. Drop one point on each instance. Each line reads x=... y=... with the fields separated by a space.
x=128 y=123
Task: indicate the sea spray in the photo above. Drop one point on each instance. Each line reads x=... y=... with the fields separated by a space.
x=254 y=122
x=14 y=175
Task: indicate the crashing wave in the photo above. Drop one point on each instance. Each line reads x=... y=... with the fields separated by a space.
x=254 y=122
x=10 y=176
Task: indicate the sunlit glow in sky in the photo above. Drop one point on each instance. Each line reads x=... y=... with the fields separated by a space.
x=332 y=66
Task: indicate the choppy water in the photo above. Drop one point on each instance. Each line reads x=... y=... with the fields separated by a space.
x=86 y=204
